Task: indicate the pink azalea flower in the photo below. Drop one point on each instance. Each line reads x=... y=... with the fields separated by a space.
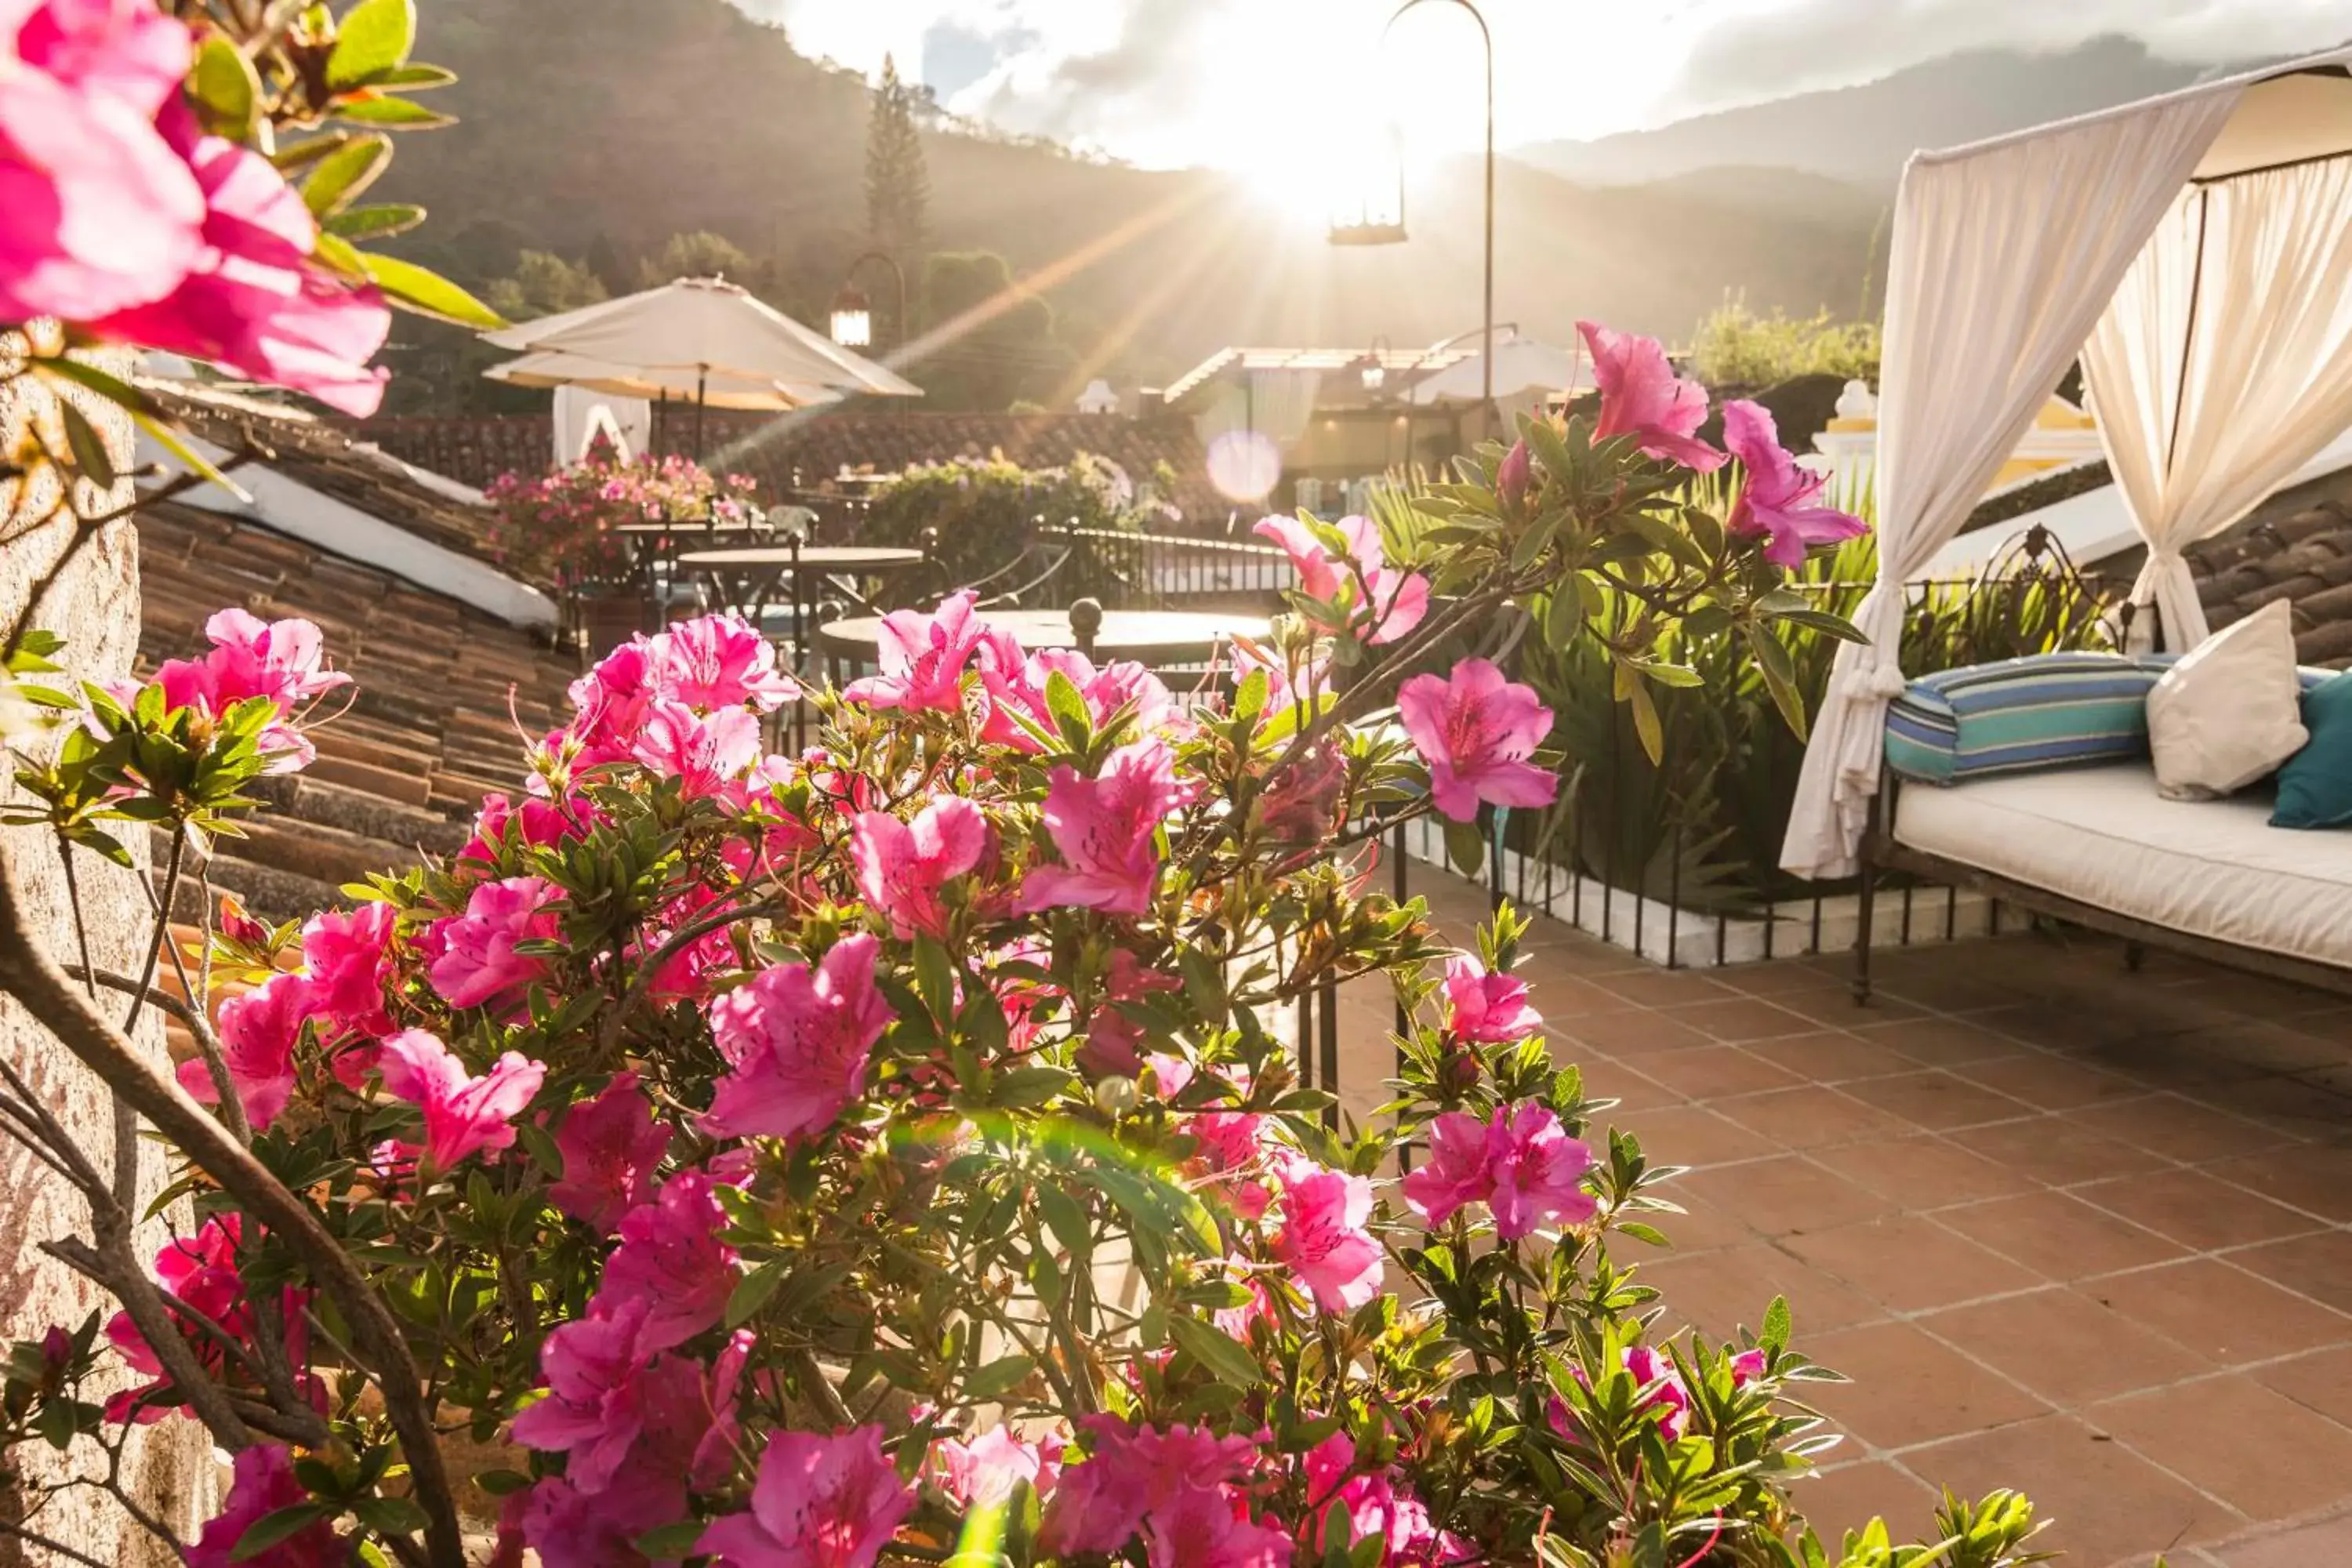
x=923 y=658
x=254 y=301
x=201 y=1271
x=1015 y=684
x=1777 y=500
x=1297 y=805
x=1455 y=1171
x=477 y=965
x=1487 y=1009
x=572 y=1529
x=1747 y=1367
x=797 y=1040
x=671 y=1257
x=1131 y=1473
x=1288 y=682
x=822 y=1500
x=1351 y=1505
x=1323 y=1239
x=611 y=701
x=282 y=660
x=1669 y=1397
x=984 y=1471
x=902 y=865
x=1231 y=1145
x=535 y=821
x=262 y=1483
x=463 y=1114
x=612 y=1147
x=1514 y=473
x=257 y=1033
x=1204 y=1527
x=1114 y=1042
x=102 y=212
x=686 y=975
x=347 y=955
x=1640 y=396
x=1104 y=827
x=1538 y=1172
x=1384 y=604
x=1475 y=730
x=717 y=661
x=705 y=752
x=594 y=1409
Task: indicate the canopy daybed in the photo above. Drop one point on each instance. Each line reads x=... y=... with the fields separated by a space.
x=2195 y=252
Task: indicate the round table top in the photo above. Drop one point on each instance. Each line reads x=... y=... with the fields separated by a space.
x=688 y=526
x=1126 y=634
x=819 y=557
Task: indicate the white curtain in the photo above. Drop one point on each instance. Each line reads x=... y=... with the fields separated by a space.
x=1282 y=402
x=2003 y=255
x=581 y=415
x=2225 y=363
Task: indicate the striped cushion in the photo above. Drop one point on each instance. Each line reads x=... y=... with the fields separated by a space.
x=2048 y=711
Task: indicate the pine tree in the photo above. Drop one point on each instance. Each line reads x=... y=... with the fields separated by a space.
x=898 y=187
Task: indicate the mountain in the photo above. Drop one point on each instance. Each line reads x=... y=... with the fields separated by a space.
x=586 y=127
x=1863 y=134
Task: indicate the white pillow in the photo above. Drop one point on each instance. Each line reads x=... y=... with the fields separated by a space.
x=2230 y=713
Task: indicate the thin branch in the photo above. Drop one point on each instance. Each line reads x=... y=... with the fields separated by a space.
x=818 y=1389
x=113 y=1264
x=48 y=1543
x=609 y=1038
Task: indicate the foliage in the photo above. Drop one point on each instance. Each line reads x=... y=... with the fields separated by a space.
x=983 y=517
x=898 y=185
x=544 y=284
x=564 y=526
x=884 y=1152
x=1735 y=346
x=999 y=344
x=700 y=254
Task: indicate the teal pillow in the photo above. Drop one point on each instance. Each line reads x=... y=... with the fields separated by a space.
x=2314 y=787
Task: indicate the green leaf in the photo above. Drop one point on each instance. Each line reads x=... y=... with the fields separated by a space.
x=1068 y=707
x=935 y=977
x=144 y=413
x=374 y=36
x=1822 y=621
x=344 y=173
x=225 y=90
x=1645 y=720
x=671 y=1542
x=391 y=111
x=998 y=1377
x=502 y=1483
x=1465 y=846
x=1774 y=1336
x=380 y=222
x=1563 y=616
x=90 y=453
x=273 y=1528
x=1227 y=1359
x=416 y=78
x=751 y=1292
x=412 y=287
x=390 y=1515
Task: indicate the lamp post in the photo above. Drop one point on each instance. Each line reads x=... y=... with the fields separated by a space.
x=853 y=315
x=1383 y=224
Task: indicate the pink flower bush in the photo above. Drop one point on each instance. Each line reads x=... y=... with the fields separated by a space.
x=103 y=213
x=1016 y=685
x=612 y=1147
x=1204 y=1527
x=1487 y=1009
x=533 y=821
x=1475 y=729
x=821 y=1502
x=477 y=965
x=347 y=959
x=1667 y=1397
x=1323 y=1238
x=1103 y=826
x=1131 y=1475
x=279 y=660
x=1778 y=496
x=717 y=661
x=258 y=1034
x=797 y=1040
x=984 y=1472
x=1383 y=604
x=923 y=658
x=463 y=1114
x=262 y=1483
x=1640 y=396
x=902 y=865
x=705 y=752
x=670 y=1257
x=1521 y=1163
x=593 y=1410
x=203 y=1273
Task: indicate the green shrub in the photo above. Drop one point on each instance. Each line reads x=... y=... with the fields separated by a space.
x=1733 y=346
x=985 y=511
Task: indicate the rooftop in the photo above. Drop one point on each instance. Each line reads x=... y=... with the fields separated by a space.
x=1244 y=359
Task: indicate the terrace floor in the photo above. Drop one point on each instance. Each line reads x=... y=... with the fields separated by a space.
x=2069 y=1228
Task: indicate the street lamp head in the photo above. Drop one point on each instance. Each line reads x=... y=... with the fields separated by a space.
x=853 y=318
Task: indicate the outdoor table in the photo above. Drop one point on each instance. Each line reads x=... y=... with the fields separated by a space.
x=1150 y=637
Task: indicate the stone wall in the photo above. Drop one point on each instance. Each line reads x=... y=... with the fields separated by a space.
x=94 y=604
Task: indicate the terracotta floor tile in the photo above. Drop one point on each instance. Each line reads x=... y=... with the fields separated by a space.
x=1692 y=1135
x=2322 y=1380
x=2104 y=1501
x=1720 y=1292
x=2316 y=1178
x=2194 y=1208
x=1923 y=1171
x=2065 y=1347
x=2050 y=1083
x=1745 y=1019
x=2059 y=1235
x=1852 y=1495
x=1780 y=1196
x=1775 y=977
x=1938 y=1100
x=1700 y=1227
x=2256 y=1449
x=1832 y=1056
x=1605 y=1078
x=1833 y=1006
x=2054 y=1150
x=1809 y=1117
x=2180 y=1128
x=2223 y=1313
x=1940 y=1042
x=2304 y=1106
x=1711 y=1072
x=1630 y=1034
x=1649 y=987
x=1910 y=1264
x=1560 y=992
x=2318 y=1265
x=2300 y=1546
x=1907 y=1388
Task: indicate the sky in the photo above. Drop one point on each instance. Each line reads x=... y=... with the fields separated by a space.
x=1272 y=85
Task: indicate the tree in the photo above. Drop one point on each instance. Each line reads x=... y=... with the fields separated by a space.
x=897 y=186
x=544 y=284
x=1006 y=349
x=700 y=254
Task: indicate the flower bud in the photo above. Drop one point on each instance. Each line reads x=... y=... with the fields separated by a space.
x=1511 y=479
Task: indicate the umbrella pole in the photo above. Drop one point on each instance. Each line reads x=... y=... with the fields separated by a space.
x=661 y=420
x=701 y=393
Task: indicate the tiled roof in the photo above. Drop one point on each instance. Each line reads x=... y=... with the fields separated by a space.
x=2296 y=546
x=805 y=451
x=432 y=724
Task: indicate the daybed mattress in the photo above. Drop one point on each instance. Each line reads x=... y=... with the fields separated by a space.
x=2104 y=838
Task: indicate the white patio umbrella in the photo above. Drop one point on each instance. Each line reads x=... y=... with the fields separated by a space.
x=1521 y=365
x=549 y=368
